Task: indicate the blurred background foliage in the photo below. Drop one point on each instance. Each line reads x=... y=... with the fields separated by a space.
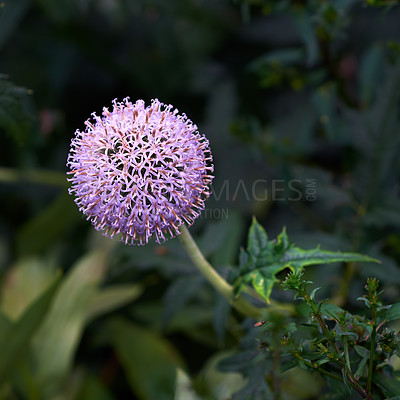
x=300 y=101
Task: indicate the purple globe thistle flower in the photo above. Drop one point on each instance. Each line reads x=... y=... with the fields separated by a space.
x=140 y=171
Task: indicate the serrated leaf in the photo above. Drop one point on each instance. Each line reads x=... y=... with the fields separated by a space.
x=257 y=239
x=299 y=258
x=282 y=243
x=243 y=257
x=267 y=258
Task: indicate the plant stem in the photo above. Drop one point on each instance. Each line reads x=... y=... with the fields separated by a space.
x=276 y=370
x=347 y=369
x=319 y=369
x=346 y=354
x=44 y=177
x=321 y=322
x=372 y=351
x=213 y=277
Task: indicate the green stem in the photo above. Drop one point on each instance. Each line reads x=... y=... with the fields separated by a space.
x=44 y=177
x=317 y=368
x=276 y=370
x=372 y=351
x=214 y=278
x=346 y=354
x=353 y=381
x=321 y=322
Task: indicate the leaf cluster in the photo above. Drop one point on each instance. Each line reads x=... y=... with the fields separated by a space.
x=264 y=259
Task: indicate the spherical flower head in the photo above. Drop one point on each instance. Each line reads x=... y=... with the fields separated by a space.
x=139 y=171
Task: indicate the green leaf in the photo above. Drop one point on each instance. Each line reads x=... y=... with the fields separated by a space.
x=299 y=258
x=23 y=283
x=221 y=384
x=93 y=389
x=361 y=367
x=391 y=314
x=16 y=338
x=257 y=239
x=184 y=390
x=389 y=385
x=41 y=232
x=178 y=294
x=265 y=259
x=314 y=291
x=330 y=310
x=361 y=351
x=322 y=361
x=371 y=72
x=263 y=282
x=55 y=342
x=5 y=325
x=307 y=33
x=365 y=354
x=111 y=298
x=14 y=116
x=150 y=362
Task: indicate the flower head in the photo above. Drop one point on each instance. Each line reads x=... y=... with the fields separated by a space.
x=140 y=171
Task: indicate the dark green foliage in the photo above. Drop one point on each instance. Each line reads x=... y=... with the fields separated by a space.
x=15 y=119
x=16 y=336
x=265 y=259
x=352 y=353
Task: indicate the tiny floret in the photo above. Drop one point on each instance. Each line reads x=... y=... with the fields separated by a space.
x=140 y=172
